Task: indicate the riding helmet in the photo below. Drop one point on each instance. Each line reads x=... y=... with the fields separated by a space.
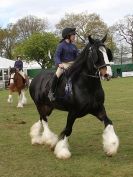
x=68 y=31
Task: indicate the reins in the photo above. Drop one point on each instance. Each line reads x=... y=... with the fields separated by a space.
x=90 y=75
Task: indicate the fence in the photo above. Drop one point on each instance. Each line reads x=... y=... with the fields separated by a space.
x=118 y=69
x=33 y=72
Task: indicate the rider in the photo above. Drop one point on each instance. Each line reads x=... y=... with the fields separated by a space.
x=65 y=55
x=19 y=66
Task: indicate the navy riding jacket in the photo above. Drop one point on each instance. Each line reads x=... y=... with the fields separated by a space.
x=65 y=52
x=18 y=64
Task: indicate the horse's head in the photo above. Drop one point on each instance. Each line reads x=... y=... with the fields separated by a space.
x=100 y=56
x=12 y=70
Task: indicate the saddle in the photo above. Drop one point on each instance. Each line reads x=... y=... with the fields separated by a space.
x=68 y=87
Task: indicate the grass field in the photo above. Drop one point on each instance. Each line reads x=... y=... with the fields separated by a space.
x=18 y=158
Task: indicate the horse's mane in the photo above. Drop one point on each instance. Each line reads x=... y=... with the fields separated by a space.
x=79 y=63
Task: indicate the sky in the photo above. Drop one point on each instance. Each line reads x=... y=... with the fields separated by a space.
x=110 y=11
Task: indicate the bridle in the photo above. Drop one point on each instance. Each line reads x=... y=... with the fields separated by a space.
x=96 y=74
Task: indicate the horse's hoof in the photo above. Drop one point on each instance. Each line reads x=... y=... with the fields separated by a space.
x=24 y=101
x=61 y=149
x=9 y=101
x=64 y=154
x=19 y=106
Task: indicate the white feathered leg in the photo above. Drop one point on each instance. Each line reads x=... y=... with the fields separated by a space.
x=35 y=133
x=20 y=104
x=48 y=137
x=110 y=141
x=61 y=149
x=10 y=99
x=24 y=99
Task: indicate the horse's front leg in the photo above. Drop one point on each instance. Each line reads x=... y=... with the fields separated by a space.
x=110 y=139
x=24 y=99
x=10 y=99
x=62 y=148
x=20 y=103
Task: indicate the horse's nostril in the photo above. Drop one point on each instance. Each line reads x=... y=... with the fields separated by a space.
x=107 y=77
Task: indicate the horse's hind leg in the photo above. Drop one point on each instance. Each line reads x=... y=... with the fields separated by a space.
x=21 y=99
x=20 y=104
x=35 y=133
x=24 y=99
x=61 y=150
x=48 y=137
x=40 y=132
x=110 y=139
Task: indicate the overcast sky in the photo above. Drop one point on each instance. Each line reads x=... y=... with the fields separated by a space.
x=109 y=10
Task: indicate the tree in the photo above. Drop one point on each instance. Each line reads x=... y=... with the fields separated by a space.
x=8 y=38
x=121 y=53
x=29 y=25
x=39 y=47
x=86 y=24
x=1 y=41
x=16 y=33
x=124 y=31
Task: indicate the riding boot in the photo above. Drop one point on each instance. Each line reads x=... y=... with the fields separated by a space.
x=52 y=91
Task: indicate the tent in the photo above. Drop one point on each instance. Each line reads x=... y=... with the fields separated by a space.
x=31 y=65
x=6 y=63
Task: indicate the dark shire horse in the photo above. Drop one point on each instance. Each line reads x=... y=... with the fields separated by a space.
x=17 y=84
x=85 y=96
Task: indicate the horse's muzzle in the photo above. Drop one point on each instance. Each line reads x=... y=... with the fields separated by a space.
x=104 y=74
x=107 y=77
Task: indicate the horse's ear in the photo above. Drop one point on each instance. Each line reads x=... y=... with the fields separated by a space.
x=109 y=54
x=104 y=39
x=90 y=39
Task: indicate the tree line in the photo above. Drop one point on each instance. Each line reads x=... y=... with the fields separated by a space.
x=30 y=36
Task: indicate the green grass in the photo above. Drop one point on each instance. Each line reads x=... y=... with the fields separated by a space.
x=18 y=158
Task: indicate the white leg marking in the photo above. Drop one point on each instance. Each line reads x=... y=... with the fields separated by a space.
x=35 y=133
x=24 y=99
x=110 y=141
x=48 y=137
x=20 y=104
x=10 y=99
x=61 y=150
